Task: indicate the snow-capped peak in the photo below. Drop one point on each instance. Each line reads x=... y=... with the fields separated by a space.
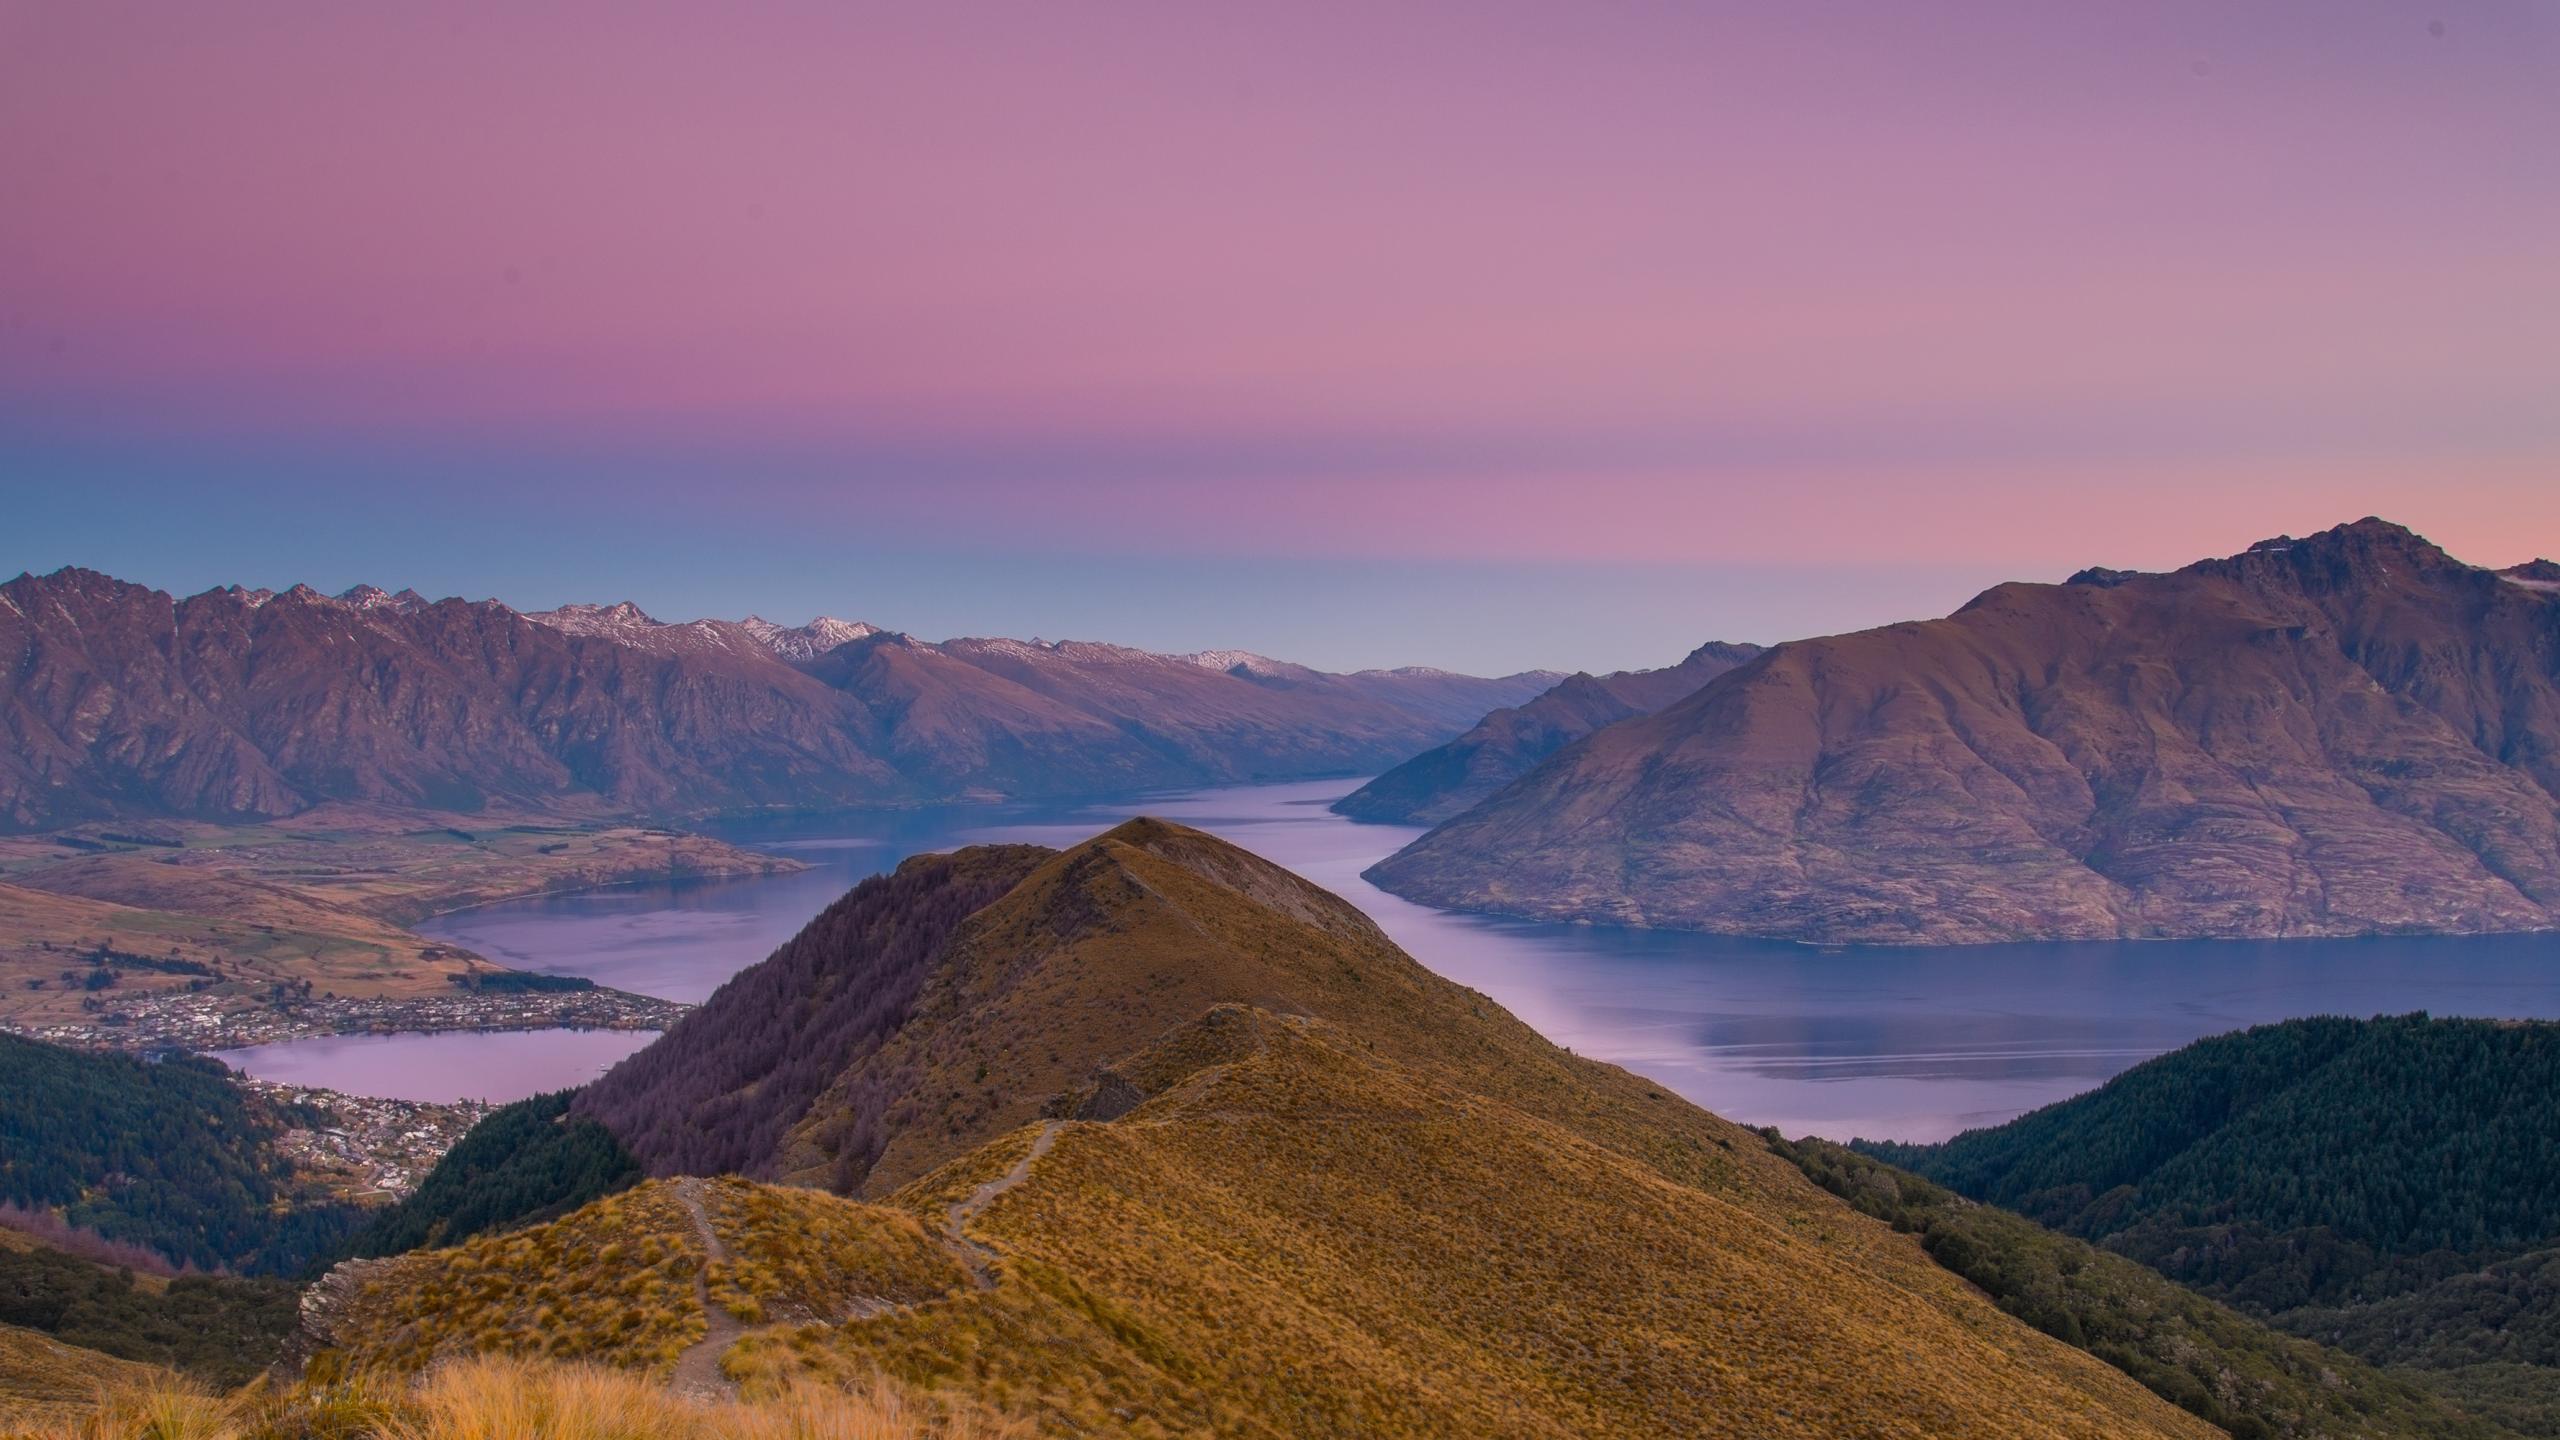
x=1234 y=662
x=374 y=597
x=619 y=618
x=806 y=642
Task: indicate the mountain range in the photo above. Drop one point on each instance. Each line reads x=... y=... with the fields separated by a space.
x=2347 y=733
x=118 y=701
x=1446 y=780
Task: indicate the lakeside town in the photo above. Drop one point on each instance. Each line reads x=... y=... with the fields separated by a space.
x=182 y=1019
x=374 y=1151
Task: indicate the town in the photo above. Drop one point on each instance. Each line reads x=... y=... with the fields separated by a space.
x=372 y=1151
x=183 y=1019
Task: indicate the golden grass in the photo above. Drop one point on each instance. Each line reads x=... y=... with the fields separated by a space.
x=800 y=1255
x=40 y=1375
x=161 y=1407
x=1308 y=1240
x=613 y=1282
x=498 y=1398
x=1351 y=1199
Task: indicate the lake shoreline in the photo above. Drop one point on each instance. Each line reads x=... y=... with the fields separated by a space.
x=1902 y=1042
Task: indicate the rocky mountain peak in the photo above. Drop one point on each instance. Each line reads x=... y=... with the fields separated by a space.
x=807 y=642
x=583 y=619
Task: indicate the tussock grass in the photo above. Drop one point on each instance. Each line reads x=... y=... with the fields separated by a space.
x=502 y=1398
x=612 y=1282
x=1339 y=1196
x=801 y=1255
x=163 y=1407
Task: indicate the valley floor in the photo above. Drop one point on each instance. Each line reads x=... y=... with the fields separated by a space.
x=215 y=937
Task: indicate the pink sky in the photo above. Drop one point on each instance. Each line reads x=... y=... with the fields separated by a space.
x=2020 y=283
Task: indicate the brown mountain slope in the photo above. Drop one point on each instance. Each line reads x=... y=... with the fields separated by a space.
x=2344 y=734
x=1176 y=1143
x=119 y=701
x=1019 y=1005
x=1447 y=780
x=717 y=1093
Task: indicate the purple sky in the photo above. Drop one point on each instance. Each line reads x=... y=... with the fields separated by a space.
x=1486 y=335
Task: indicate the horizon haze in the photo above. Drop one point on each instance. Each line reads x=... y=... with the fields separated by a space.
x=1484 y=338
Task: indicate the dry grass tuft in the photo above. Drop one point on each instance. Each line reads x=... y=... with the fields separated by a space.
x=802 y=1255
x=498 y=1398
x=613 y=1282
x=167 y=1407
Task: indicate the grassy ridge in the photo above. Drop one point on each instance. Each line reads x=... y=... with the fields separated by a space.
x=614 y=1282
x=1181 y=1145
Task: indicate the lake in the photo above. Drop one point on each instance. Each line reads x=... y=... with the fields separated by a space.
x=1886 y=1043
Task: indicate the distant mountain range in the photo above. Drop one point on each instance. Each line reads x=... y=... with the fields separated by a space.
x=2344 y=734
x=118 y=701
x=1446 y=780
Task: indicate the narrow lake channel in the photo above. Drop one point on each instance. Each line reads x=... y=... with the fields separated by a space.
x=1889 y=1044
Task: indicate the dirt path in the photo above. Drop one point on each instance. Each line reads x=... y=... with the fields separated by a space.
x=979 y=1257
x=698 y=1368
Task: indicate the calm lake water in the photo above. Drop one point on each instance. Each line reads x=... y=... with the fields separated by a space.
x=1890 y=1044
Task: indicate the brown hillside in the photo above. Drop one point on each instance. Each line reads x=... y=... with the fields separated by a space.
x=2347 y=734
x=1206 y=1154
x=1170 y=1142
x=1446 y=780
x=1293 y=1235
x=44 y=1381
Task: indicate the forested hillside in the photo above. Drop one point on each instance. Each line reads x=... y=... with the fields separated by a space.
x=167 y=1154
x=2396 y=1137
x=523 y=1163
x=718 y=1093
x=220 y=1329
x=2391 y=1186
x=2202 y=1356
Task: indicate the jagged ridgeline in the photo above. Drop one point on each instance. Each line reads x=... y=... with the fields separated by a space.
x=125 y=702
x=1150 y=1137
